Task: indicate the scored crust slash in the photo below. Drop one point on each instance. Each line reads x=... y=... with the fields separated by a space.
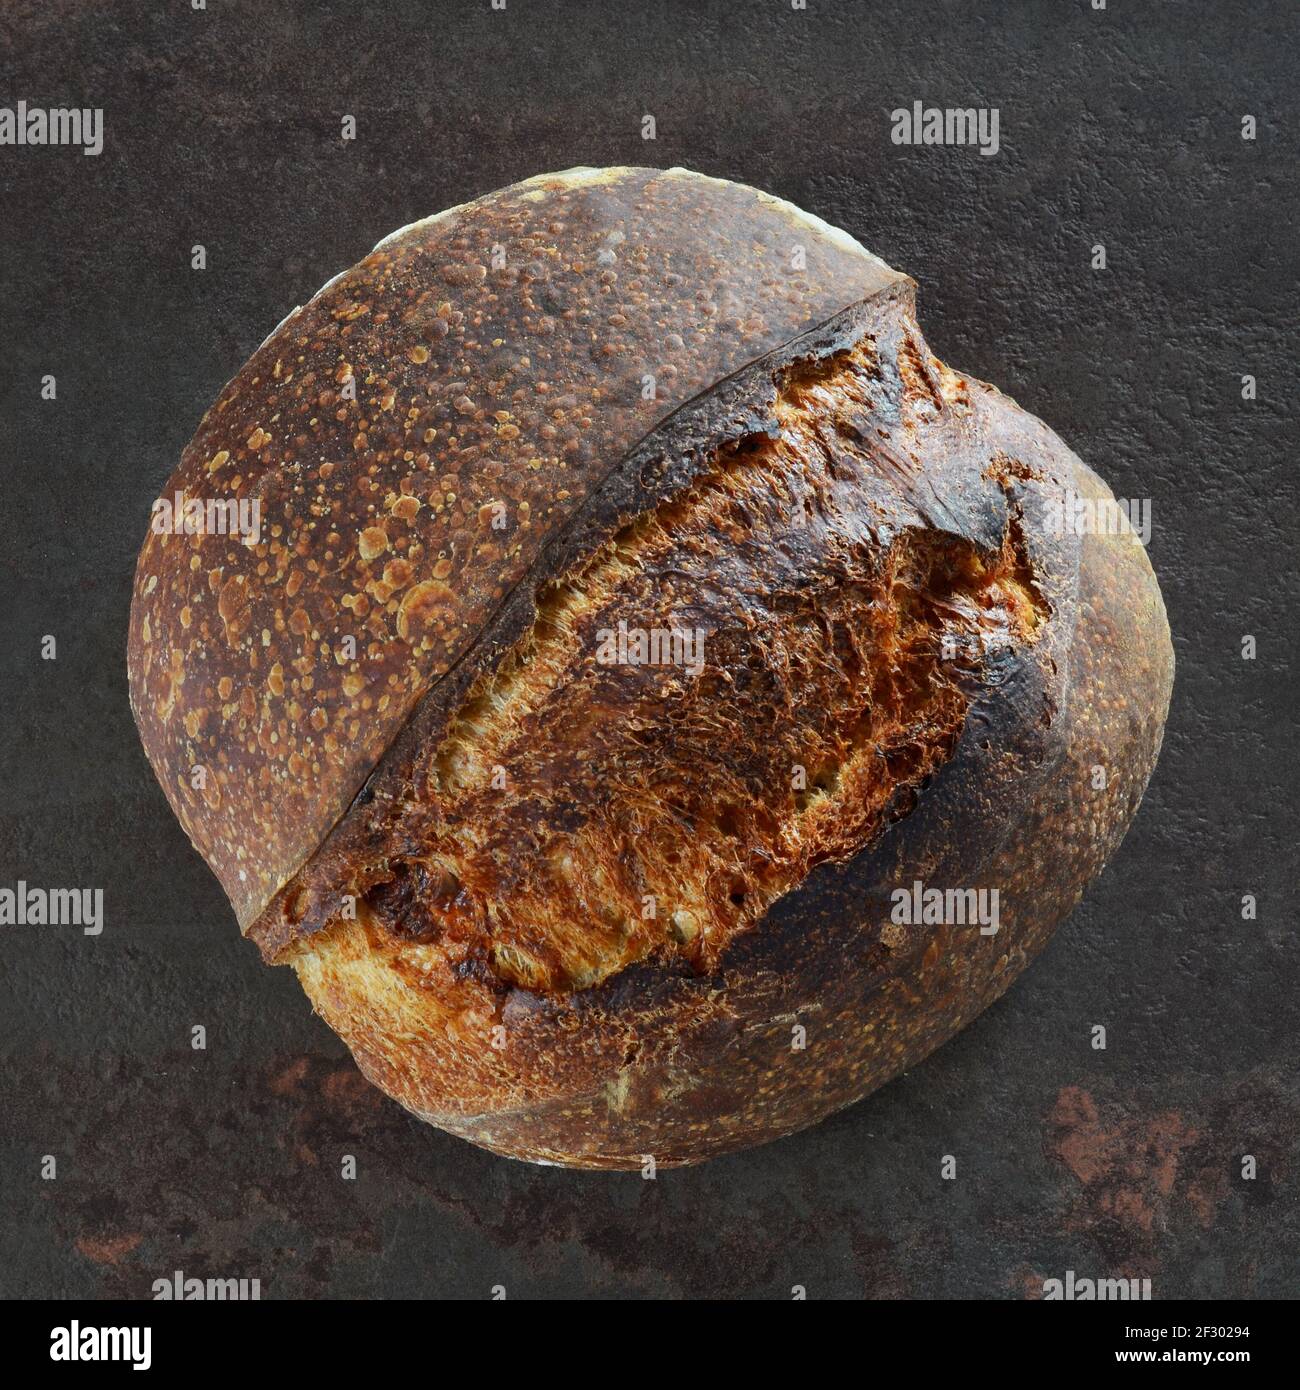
x=585 y=908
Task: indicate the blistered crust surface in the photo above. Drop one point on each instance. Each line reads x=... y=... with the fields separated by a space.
x=687 y=1067
x=412 y=437
x=685 y=1056
x=589 y=809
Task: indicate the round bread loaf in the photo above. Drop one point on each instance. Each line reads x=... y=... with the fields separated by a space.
x=652 y=700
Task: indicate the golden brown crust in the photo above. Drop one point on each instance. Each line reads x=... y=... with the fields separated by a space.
x=500 y=358
x=863 y=538
x=600 y=798
x=680 y=1058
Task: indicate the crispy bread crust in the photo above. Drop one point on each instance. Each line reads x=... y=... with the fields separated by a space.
x=413 y=436
x=664 y=1061
x=325 y=789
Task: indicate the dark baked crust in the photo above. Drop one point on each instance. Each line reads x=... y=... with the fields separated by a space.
x=357 y=851
x=674 y=1053
x=498 y=354
x=666 y=1062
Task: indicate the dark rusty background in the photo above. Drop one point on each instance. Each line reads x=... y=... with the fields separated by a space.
x=222 y=127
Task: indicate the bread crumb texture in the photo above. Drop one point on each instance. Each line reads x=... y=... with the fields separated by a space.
x=586 y=814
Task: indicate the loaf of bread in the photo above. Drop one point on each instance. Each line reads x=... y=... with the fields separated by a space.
x=648 y=667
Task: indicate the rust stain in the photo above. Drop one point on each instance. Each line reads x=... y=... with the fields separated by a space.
x=1127 y=1165
x=1027 y=1282
x=289 y=1078
x=347 y=1087
x=106 y=1249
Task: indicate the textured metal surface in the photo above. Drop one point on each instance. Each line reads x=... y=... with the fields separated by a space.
x=221 y=127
